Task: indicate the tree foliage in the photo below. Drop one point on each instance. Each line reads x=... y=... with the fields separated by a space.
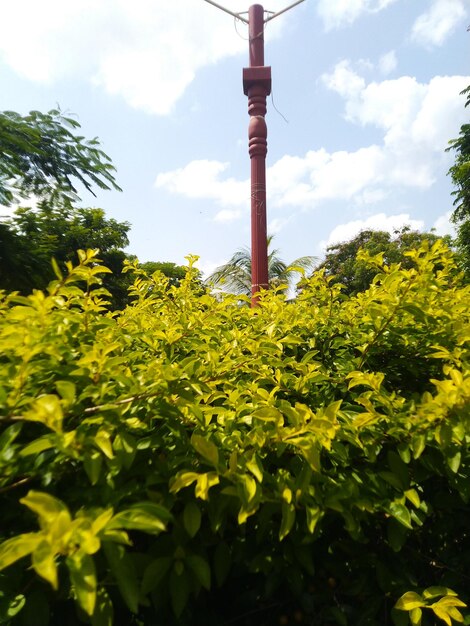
x=460 y=171
x=235 y=275
x=460 y=174
x=175 y=273
x=341 y=262
x=189 y=461
x=41 y=155
x=32 y=237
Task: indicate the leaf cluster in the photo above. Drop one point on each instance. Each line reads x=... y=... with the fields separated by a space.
x=188 y=461
x=41 y=155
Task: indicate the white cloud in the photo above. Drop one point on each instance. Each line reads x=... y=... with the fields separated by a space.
x=443 y=226
x=227 y=215
x=388 y=62
x=276 y=225
x=144 y=51
x=434 y=26
x=336 y=13
x=417 y=120
x=380 y=221
x=291 y=181
x=201 y=179
x=207 y=267
x=344 y=80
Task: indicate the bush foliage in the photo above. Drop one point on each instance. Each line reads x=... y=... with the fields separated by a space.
x=192 y=461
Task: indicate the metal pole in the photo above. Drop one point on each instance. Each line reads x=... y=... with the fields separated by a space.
x=236 y=15
x=257 y=86
x=291 y=6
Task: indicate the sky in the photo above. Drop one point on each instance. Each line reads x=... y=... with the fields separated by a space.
x=365 y=99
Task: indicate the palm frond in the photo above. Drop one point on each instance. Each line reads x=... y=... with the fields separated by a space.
x=235 y=275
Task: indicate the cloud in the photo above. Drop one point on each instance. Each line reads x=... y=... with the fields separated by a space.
x=388 y=62
x=277 y=224
x=344 y=80
x=227 y=215
x=339 y=13
x=416 y=119
x=434 y=26
x=207 y=267
x=380 y=221
x=292 y=181
x=201 y=179
x=443 y=226
x=145 y=52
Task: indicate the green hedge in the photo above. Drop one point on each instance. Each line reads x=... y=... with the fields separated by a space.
x=192 y=461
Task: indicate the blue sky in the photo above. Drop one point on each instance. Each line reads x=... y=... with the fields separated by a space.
x=369 y=89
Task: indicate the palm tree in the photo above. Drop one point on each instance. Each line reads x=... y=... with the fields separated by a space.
x=235 y=275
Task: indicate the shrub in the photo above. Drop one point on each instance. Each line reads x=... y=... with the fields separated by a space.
x=191 y=461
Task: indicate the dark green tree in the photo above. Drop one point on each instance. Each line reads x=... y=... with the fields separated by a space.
x=460 y=174
x=32 y=237
x=40 y=154
x=340 y=260
x=175 y=273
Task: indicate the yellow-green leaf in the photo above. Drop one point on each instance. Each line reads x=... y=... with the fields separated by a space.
x=435 y=592
x=102 y=440
x=413 y=497
x=206 y=448
x=44 y=563
x=409 y=601
x=182 y=480
x=83 y=578
x=146 y=516
x=204 y=483
x=46 y=409
x=401 y=514
x=103 y=615
x=442 y=614
x=415 y=617
x=288 y=519
x=92 y=462
x=38 y=445
x=100 y=522
x=44 y=505
x=313 y=514
x=255 y=467
x=16 y=548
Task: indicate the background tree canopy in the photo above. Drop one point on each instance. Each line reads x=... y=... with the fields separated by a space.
x=460 y=174
x=32 y=237
x=342 y=265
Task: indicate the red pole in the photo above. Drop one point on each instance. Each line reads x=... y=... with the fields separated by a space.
x=257 y=86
